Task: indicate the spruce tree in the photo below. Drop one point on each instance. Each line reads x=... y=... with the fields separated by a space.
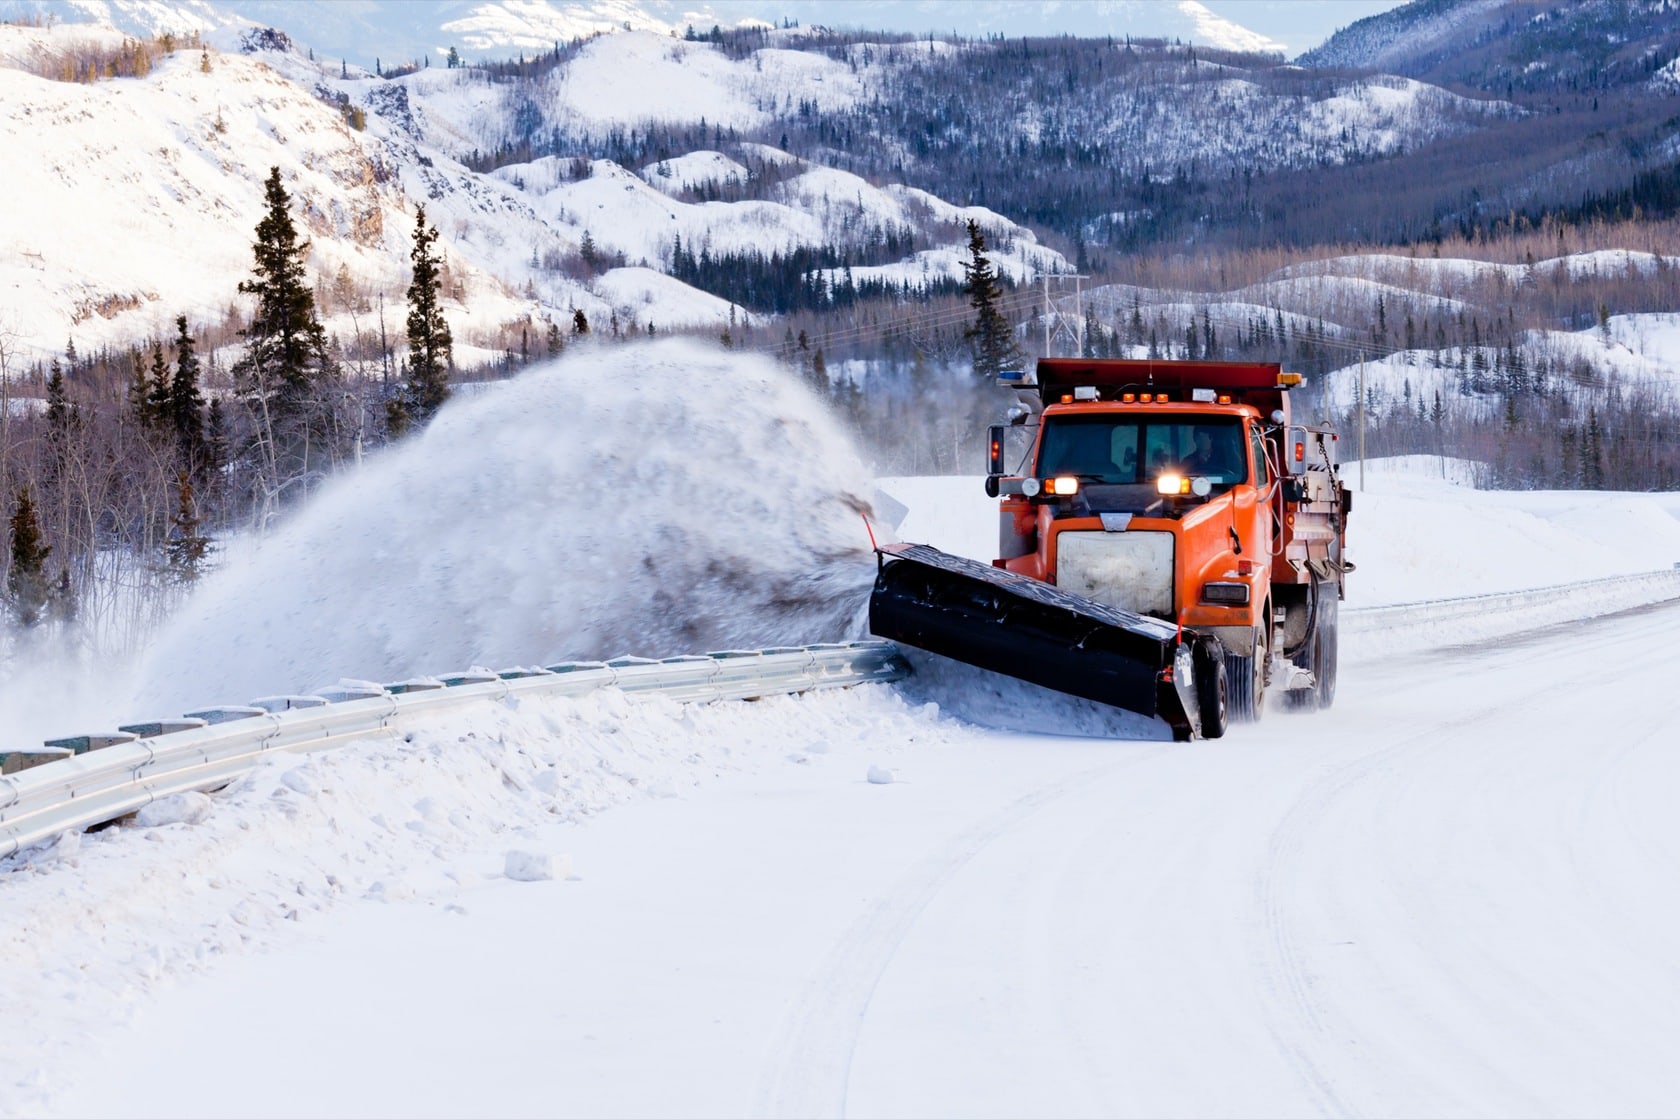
x=60 y=412
x=284 y=374
x=26 y=580
x=430 y=347
x=140 y=389
x=990 y=336
x=156 y=409
x=184 y=404
x=187 y=546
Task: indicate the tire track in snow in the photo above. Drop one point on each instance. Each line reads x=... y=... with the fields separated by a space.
x=808 y=1072
x=1305 y=1027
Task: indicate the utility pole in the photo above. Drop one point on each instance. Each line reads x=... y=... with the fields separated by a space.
x=1362 y=421
x=1055 y=322
x=1046 y=278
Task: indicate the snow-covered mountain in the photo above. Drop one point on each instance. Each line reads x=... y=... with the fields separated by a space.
x=146 y=189
x=1504 y=46
x=398 y=32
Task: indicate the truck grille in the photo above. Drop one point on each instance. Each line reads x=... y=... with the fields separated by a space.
x=1132 y=571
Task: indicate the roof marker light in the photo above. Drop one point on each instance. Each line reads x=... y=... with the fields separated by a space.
x=1127 y=398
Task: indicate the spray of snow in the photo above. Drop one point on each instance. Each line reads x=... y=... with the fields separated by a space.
x=655 y=499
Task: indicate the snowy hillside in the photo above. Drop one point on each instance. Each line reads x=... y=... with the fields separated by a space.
x=1390 y=40
x=159 y=220
x=148 y=191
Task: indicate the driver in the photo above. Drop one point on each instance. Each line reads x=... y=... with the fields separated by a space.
x=1207 y=457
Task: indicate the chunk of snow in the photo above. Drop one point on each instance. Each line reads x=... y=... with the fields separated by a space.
x=177 y=808
x=536 y=867
x=880 y=776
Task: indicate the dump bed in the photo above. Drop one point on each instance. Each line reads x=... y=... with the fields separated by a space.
x=1250 y=383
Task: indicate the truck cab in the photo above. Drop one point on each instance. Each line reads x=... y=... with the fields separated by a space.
x=1157 y=488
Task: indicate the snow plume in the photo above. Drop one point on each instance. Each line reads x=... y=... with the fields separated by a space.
x=655 y=499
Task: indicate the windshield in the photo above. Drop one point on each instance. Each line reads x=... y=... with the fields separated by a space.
x=1132 y=449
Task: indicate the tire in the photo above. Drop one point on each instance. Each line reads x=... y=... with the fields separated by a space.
x=1306 y=699
x=1246 y=680
x=1212 y=687
x=1319 y=655
x=1325 y=640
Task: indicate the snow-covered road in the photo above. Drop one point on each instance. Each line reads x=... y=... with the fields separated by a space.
x=1451 y=895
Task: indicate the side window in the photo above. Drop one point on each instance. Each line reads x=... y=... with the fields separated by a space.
x=1262 y=473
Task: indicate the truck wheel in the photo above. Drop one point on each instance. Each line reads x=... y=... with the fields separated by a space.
x=1310 y=658
x=1212 y=687
x=1324 y=641
x=1247 y=681
x=1318 y=655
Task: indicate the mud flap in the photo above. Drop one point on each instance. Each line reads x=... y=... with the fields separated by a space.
x=1030 y=630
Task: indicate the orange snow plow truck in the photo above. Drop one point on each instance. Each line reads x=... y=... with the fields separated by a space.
x=1171 y=542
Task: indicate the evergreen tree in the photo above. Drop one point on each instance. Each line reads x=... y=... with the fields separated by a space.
x=63 y=419
x=60 y=412
x=26 y=580
x=430 y=346
x=819 y=371
x=184 y=405
x=140 y=388
x=1592 y=453
x=990 y=336
x=284 y=374
x=215 y=439
x=156 y=408
x=187 y=546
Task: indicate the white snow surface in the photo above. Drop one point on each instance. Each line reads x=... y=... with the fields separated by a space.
x=1435 y=899
x=640 y=76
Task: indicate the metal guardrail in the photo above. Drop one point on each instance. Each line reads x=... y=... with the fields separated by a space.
x=83 y=780
x=97 y=778
x=1618 y=592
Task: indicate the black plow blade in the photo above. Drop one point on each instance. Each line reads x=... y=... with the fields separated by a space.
x=1030 y=630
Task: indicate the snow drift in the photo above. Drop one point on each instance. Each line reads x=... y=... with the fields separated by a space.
x=656 y=499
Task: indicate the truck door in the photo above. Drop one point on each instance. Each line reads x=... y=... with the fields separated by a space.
x=1253 y=517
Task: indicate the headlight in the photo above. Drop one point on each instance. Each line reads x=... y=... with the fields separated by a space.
x=1172 y=485
x=1064 y=487
x=1230 y=594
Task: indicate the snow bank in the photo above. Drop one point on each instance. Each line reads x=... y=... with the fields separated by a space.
x=466 y=801
x=1416 y=537
x=655 y=499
